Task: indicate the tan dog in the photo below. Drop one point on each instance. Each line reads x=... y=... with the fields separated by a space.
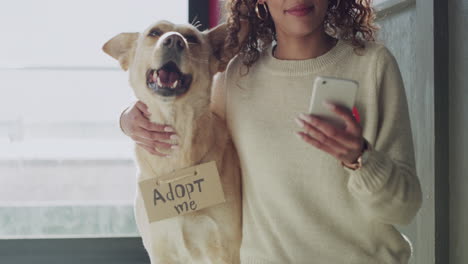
x=171 y=69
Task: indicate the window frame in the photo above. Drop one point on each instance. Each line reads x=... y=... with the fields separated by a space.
x=73 y=251
x=388 y=7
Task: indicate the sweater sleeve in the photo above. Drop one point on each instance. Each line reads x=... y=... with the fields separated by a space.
x=387 y=185
x=218 y=95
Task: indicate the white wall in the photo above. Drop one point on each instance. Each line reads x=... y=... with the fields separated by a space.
x=397 y=33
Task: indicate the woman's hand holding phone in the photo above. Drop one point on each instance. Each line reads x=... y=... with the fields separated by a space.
x=331 y=126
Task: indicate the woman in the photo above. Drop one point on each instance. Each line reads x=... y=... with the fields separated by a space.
x=334 y=195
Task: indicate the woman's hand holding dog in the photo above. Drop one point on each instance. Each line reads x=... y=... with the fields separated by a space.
x=344 y=144
x=135 y=123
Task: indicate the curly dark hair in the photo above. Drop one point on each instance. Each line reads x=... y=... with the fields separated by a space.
x=351 y=20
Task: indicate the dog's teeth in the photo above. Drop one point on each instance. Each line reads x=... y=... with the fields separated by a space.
x=175 y=84
x=159 y=82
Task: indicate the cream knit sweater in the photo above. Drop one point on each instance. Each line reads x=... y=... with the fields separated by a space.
x=300 y=206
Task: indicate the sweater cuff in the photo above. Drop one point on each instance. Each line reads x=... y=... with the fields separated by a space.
x=120 y=119
x=373 y=175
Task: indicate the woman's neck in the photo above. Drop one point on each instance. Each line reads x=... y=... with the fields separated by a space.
x=301 y=48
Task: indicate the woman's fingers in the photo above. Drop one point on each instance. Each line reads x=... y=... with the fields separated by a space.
x=155 y=147
x=143 y=108
x=336 y=152
x=344 y=144
x=145 y=123
x=347 y=115
x=321 y=141
x=154 y=143
x=154 y=136
x=330 y=132
x=135 y=121
x=152 y=151
x=150 y=126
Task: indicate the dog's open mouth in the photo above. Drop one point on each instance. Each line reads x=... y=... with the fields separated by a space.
x=168 y=80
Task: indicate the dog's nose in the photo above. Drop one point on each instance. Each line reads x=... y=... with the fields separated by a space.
x=174 y=41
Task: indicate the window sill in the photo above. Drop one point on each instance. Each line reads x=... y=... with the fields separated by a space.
x=67 y=221
x=66 y=150
x=67 y=189
x=390 y=7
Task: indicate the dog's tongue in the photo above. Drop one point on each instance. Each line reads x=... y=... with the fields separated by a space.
x=168 y=78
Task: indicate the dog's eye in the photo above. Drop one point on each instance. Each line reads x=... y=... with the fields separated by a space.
x=155 y=33
x=192 y=39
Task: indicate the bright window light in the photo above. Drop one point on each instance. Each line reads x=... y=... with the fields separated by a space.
x=65 y=167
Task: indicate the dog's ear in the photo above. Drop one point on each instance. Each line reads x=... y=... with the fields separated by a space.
x=223 y=54
x=121 y=48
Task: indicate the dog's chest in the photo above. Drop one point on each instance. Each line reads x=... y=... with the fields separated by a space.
x=151 y=166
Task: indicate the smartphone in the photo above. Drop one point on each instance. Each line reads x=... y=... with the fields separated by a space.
x=338 y=91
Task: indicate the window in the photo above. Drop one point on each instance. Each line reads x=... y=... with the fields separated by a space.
x=65 y=168
x=391 y=5
x=376 y=2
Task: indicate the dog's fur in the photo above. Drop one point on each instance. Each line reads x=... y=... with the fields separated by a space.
x=211 y=235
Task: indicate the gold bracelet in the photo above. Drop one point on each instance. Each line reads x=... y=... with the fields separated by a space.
x=361 y=159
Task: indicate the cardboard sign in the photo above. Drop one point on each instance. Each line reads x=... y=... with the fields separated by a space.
x=182 y=192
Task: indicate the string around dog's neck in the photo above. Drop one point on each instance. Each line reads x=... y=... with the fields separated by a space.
x=210 y=149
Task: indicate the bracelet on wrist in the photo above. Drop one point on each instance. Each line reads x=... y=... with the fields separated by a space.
x=361 y=159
